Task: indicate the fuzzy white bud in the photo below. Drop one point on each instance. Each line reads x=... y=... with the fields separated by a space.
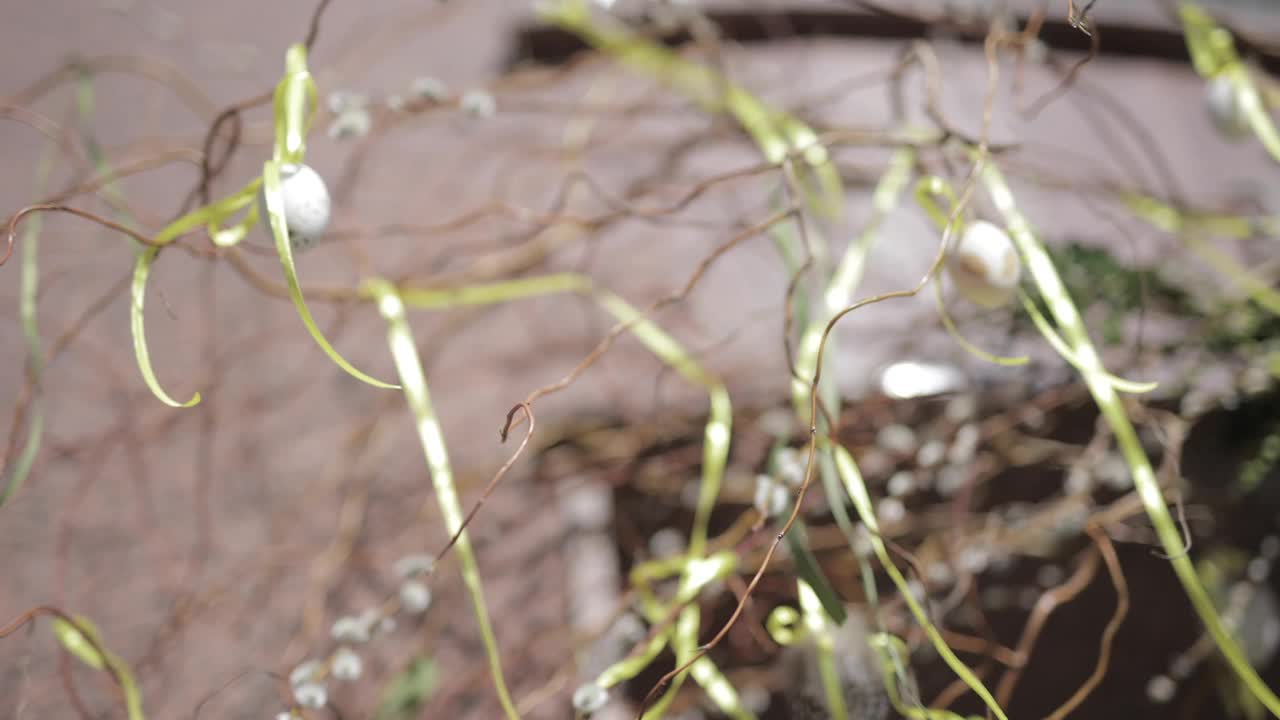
x=352 y=123
x=902 y=483
x=428 y=88
x=311 y=695
x=479 y=104
x=771 y=497
x=415 y=597
x=340 y=101
x=1161 y=689
x=790 y=466
x=351 y=629
x=346 y=664
x=304 y=673
x=411 y=565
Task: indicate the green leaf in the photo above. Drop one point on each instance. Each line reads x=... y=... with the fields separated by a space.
x=75 y=643
x=141 y=270
x=888 y=649
x=28 y=293
x=807 y=569
x=233 y=234
x=1210 y=46
x=210 y=216
x=404 y=351
x=857 y=491
x=132 y=696
x=716 y=436
x=294 y=107
x=776 y=133
x=722 y=692
x=820 y=632
x=72 y=636
x=783 y=625
x=1060 y=346
x=696 y=570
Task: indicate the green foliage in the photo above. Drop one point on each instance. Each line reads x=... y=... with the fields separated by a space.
x=295 y=105
x=1064 y=283
x=1104 y=391
x=1101 y=283
x=406 y=694
x=414 y=382
x=1095 y=279
x=28 y=294
x=808 y=570
x=1213 y=53
x=81 y=638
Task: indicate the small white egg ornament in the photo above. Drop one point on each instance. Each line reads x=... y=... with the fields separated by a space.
x=306 y=205
x=984 y=265
x=1222 y=101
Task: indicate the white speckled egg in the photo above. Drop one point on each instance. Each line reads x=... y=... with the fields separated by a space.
x=306 y=205
x=984 y=265
x=1222 y=100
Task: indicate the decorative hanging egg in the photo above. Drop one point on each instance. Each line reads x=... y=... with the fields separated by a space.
x=984 y=265
x=1222 y=100
x=306 y=205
